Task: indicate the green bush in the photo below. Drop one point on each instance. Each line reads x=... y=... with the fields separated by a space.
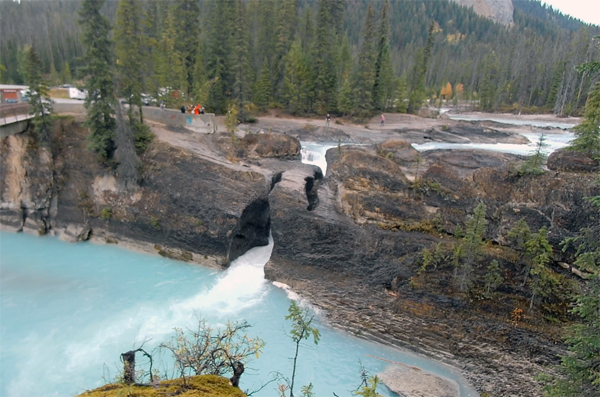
x=106 y=213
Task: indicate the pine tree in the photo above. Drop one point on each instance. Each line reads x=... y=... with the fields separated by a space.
x=66 y=73
x=469 y=251
x=325 y=76
x=100 y=101
x=286 y=26
x=345 y=103
x=296 y=76
x=128 y=50
x=402 y=95
x=580 y=376
x=587 y=134
x=492 y=278
x=170 y=72
x=534 y=163
x=418 y=94
x=539 y=252
x=220 y=60
x=364 y=78
x=187 y=35
x=262 y=89
x=383 y=86
x=241 y=62
x=40 y=105
x=487 y=92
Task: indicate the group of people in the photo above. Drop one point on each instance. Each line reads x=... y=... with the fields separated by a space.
x=192 y=109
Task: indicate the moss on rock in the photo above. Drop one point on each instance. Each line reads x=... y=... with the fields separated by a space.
x=196 y=386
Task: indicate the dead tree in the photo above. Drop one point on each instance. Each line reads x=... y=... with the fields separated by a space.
x=128 y=359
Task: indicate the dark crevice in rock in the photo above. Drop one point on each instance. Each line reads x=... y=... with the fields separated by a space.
x=252 y=230
x=311 y=187
x=275 y=180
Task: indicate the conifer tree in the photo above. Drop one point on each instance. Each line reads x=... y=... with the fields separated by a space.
x=364 y=79
x=487 y=92
x=469 y=251
x=325 y=76
x=417 y=94
x=539 y=252
x=492 y=278
x=100 y=101
x=587 y=134
x=241 y=62
x=580 y=375
x=383 y=86
x=345 y=103
x=40 y=105
x=187 y=35
x=169 y=63
x=220 y=55
x=402 y=95
x=128 y=50
x=262 y=89
x=286 y=26
x=296 y=76
x=533 y=165
x=66 y=73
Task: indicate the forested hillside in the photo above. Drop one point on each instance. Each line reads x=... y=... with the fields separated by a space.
x=317 y=56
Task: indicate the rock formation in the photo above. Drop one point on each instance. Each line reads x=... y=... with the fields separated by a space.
x=500 y=11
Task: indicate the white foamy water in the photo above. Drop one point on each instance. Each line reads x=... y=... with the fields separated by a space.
x=314 y=153
x=553 y=142
x=533 y=123
x=69 y=311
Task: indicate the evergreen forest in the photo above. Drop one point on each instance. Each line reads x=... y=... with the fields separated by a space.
x=346 y=57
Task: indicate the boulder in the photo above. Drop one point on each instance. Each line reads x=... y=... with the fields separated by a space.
x=413 y=382
x=572 y=161
x=399 y=151
x=271 y=145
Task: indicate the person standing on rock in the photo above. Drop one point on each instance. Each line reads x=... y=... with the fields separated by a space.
x=327 y=120
x=382 y=120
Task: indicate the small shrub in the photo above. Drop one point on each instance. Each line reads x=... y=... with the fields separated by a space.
x=251 y=119
x=154 y=223
x=338 y=121
x=445 y=128
x=106 y=213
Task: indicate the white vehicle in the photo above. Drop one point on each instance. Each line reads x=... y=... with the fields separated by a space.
x=76 y=93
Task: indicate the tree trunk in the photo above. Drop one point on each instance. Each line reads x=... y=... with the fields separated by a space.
x=129 y=367
x=238 y=370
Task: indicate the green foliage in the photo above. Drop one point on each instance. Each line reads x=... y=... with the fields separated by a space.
x=262 y=88
x=492 y=279
x=106 y=213
x=402 y=95
x=154 y=222
x=430 y=259
x=579 y=369
x=533 y=165
x=302 y=329
x=587 y=134
x=418 y=89
x=370 y=390
x=487 y=92
x=364 y=79
x=129 y=53
x=215 y=351
x=231 y=120
x=383 y=86
x=470 y=250
x=100 y=101
x=40 y=105
x=143 y=136
x=307 y=391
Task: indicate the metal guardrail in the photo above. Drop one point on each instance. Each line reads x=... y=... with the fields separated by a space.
x=11 y=113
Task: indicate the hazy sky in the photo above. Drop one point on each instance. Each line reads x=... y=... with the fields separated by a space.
x=586 y=10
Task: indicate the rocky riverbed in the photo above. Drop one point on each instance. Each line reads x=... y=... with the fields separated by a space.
x=348 y=240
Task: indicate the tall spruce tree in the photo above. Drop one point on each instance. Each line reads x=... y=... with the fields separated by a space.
x=220 y=55
x=296 y=79
x=326 y=43
x=40 y=105
x=383 y=87
x=418 y=93
x=262 y=88
x=129 y=47
x=170 y=73
x=241 y=63
x=286 y=26
x=100 y=102
x=187 y=15
x=487 y=91
x=364 y=78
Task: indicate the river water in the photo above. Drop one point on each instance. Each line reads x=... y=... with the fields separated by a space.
x=69 y=310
